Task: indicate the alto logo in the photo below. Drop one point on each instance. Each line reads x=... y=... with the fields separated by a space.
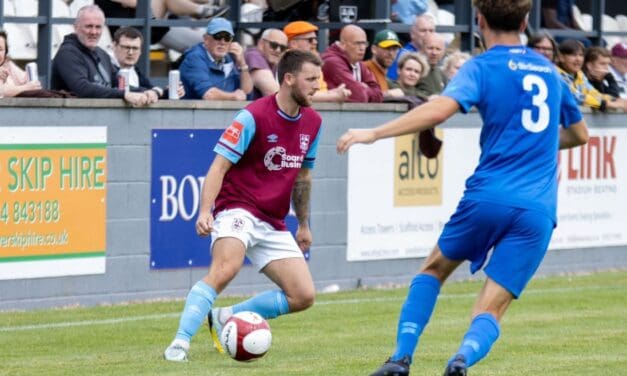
x=233 y=132
x=417 y=179
x=273 y=138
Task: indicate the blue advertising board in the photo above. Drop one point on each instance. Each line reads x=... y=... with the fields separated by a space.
x=180 y=160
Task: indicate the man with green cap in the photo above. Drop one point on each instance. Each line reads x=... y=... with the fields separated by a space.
x=384 y=49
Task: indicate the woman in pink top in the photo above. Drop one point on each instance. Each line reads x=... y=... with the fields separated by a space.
x=13 y=80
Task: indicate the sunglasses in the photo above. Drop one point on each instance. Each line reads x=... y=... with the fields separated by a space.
x=311 y=40
x=276 y=46
x=222 y=36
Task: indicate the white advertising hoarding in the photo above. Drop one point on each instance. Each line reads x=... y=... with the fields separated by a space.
x=399 y=201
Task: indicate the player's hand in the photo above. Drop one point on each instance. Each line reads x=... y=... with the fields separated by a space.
x=204 y=224
x=355 y=136
x=303 y=237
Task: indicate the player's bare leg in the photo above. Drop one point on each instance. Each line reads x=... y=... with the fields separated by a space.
x=489 y=308
x=293 y=277
x=296 y=294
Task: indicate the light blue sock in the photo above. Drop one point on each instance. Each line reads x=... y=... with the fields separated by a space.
x=483 y=332
x=269 y=304
x=197 y=306
x=415 y=314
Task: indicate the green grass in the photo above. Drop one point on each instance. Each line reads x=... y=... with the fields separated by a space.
x=560 y=326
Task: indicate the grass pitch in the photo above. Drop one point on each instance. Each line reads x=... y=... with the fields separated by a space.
x=560 y=326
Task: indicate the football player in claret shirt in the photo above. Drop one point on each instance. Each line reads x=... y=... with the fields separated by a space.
x=262 y=160
x=509 y=204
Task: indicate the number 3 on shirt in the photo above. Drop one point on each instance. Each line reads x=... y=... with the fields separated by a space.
x=530 y=82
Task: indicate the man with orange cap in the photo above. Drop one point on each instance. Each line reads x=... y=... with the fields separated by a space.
x=302 y=35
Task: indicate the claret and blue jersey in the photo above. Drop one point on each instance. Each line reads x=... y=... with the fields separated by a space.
x=522 y=101
x=267 y=148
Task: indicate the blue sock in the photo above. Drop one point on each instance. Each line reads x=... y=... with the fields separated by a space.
x=197 y=306
x=269 y=304
x=415 y=314
x=483 y=332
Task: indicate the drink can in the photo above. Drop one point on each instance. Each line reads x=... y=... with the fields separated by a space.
x=31 y=71
x=123 y=79
x=173 y=84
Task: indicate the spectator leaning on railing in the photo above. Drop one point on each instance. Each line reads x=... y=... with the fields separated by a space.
x=262 y=60
x=343 y=64
x=384 y=49
x=83 y=68
x=13 y=80
x=570 y=65
x=432 y=84
x=216 y=69
x=127 y=44
x=618 y=67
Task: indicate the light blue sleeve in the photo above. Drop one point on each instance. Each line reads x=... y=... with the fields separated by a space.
x=237 y=137
x=310 y=158
x=465 y=87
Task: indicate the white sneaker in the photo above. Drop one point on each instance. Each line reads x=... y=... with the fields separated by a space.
x=177 y=351
x=215 y=327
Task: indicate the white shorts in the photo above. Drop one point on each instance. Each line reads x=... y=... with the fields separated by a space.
x=263 y=243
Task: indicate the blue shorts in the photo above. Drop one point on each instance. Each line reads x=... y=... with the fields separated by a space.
x=519 y=237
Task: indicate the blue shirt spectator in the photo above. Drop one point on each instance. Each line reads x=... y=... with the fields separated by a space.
x=215 y=69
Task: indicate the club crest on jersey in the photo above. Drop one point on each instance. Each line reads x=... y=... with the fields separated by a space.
x=277 y=158
x=304 y=143
x=237 y=225
x=233 y=132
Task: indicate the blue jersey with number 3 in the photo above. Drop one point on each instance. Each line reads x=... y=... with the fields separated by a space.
x=522 y=101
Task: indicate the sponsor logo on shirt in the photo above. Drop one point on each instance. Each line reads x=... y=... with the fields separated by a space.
x=277 y=158
x=233 y=132
x=518 y=65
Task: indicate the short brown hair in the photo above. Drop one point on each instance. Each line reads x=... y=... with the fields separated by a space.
x=292 y=62
x=128 y=32
x=504 y=15
x=594 y=53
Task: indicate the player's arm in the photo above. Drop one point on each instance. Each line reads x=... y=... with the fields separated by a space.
x=300 y=202
x=420 y=118
x=575 y=135
x=210 y=189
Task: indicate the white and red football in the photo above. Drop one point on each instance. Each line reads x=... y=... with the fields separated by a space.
x=246 y=336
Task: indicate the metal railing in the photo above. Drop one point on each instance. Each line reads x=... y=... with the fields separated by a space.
x=464 y=25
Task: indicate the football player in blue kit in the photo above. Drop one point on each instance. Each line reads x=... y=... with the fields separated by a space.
x=509 y=204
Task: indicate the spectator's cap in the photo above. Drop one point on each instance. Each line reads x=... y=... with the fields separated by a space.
x=296 y=28
x=219 y=24
x=619 y=50
x=386 y=39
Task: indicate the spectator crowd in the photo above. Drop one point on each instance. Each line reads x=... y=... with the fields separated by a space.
x=214 y=66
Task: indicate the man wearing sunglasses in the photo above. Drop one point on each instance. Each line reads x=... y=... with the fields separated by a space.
x=262 y=60
x=215 y=69
x=301 y=35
